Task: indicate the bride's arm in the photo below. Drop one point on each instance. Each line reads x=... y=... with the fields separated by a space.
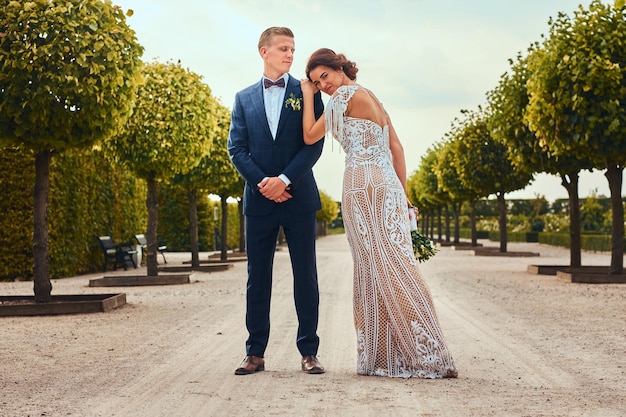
x=313 y=130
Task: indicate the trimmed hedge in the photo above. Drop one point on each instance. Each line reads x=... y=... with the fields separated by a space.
x=88 y=197
x=17 y=176
x=598 y=243
x=467 y=234
x=591 y=242
x=174 y=219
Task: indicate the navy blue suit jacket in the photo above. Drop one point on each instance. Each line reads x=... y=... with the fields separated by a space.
x=257 y=155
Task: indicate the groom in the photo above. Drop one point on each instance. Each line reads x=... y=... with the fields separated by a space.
x=266 y=146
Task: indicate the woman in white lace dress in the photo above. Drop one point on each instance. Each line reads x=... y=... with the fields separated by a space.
x=398 y=332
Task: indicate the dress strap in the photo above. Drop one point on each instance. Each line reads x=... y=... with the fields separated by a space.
x=336 y=109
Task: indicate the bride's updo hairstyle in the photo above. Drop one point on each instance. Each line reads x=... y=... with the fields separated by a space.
x=328 y=58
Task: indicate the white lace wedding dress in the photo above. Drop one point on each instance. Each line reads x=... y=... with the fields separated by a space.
x=398 y=332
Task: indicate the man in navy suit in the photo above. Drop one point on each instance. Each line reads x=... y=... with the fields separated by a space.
x=266 y=146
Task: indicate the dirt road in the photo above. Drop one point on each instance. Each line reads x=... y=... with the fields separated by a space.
x=525 y=345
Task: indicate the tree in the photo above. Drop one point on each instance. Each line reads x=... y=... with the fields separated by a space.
x=576 y=98
x=484 y=165
x=328 y=212
x=208 y=176
x=169 y=133
x=592 y=214
x=509 y=105
x=222 y=177
x=451 y=183
x=424 y=187
x=67 y=80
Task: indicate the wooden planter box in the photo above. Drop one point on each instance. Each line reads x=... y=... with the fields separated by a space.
x=553 y=269
x=139 y=280
x=24 y=305
x=591 y=277
x=207 y=267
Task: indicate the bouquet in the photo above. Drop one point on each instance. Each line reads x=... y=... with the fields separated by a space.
x=423 y=247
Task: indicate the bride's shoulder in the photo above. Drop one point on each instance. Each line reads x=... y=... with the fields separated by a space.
x=345 y=92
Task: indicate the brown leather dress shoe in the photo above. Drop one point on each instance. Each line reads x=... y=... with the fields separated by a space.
x=311 y=365
x=250 y=365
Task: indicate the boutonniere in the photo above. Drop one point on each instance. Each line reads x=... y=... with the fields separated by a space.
x=294 y=102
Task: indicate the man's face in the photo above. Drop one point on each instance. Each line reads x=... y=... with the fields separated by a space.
x=278 y=56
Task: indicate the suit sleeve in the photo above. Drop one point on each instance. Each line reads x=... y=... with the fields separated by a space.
x=238 y=146
x=308 y=155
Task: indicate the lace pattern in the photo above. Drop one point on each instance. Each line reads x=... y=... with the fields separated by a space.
x=398 y=333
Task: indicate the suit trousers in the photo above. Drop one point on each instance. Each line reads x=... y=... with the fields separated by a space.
x=261 y=236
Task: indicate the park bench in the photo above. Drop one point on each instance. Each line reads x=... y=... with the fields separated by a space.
x=120 y=254
x=143 y=242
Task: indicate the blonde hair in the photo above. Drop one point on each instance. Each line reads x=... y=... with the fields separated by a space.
x=266 y=37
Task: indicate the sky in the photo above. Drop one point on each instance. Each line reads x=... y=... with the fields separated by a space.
x=425 y=60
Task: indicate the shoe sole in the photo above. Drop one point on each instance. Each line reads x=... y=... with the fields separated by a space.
x=244 y=371
x=313 y=371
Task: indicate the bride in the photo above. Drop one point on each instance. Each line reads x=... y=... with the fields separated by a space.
x=397 y=329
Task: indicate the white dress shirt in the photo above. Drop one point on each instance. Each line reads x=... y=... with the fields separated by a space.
x=274 y=98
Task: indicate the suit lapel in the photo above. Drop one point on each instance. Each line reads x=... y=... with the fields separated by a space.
x=286 y=112
x=258 y=102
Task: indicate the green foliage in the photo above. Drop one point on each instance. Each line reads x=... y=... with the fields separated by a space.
x=88 y=197
x=172 y=126
x=219 y=175
x=598 y=243
x=467 y=234
x=447 y=176
x=482 y=163
x=578 y=84
x=17 y=175
x=423 y=247
x=174 y=220
x=169 y=133
x=556 y=223
x=424 y=188
x=329 y=210
x=173 y=225
x=507 y=104
x=593 y=215
x=233 y=225
x=67 y=74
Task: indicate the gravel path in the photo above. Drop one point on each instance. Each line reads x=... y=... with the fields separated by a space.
x=526 y=345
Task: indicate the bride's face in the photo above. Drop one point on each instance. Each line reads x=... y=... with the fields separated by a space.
x=327 y=79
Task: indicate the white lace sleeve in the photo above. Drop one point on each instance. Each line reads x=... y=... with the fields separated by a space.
x=336 y=109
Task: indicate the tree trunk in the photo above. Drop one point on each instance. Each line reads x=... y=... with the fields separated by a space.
x=431 y=218
x=473 y=222
x=224 y=234
x=457 y=223
x=575 y=244
x=447 y=211
x=614 y=176
x=193 y=228
x=41 y=263
x=502 y=220
x=242 y=227
x=152 y=204
x=439 y=224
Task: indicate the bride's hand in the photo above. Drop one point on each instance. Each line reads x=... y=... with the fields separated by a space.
x=308 y=87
